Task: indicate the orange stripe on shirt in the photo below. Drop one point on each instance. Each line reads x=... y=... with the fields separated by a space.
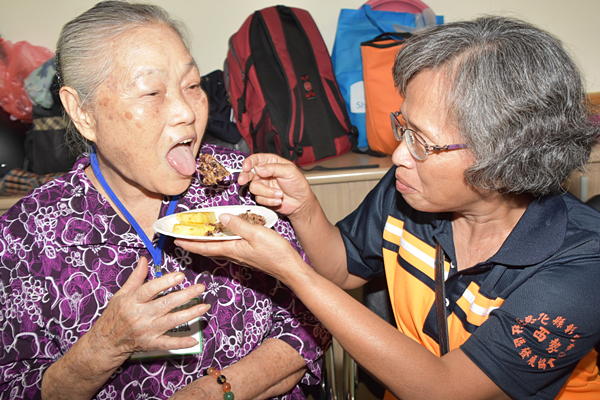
x=393 y=230
x=410 y=309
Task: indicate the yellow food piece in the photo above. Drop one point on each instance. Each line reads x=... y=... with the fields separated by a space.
x=197 y=217
x=185 y=228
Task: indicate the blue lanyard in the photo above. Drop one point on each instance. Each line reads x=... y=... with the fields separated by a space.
x=155 y=252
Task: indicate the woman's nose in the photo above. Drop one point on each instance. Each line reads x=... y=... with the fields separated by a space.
x=182 y=111
x=402 y=156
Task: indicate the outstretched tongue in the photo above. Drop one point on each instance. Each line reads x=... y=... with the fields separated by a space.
x=182 y=160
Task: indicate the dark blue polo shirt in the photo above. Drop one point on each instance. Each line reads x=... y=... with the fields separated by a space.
x=526 y=316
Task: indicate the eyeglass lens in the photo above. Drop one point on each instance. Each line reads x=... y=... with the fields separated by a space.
x=416 y=148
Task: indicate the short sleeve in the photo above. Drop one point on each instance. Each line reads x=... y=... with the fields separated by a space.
x=531 y=344
x=362 y=230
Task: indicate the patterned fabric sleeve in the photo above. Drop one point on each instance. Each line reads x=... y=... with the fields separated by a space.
x=27 y=348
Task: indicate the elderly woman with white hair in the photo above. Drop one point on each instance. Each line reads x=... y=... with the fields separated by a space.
x=94 y=303
x=492 y=269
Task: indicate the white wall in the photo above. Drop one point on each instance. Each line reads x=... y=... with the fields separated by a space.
x=211 y=22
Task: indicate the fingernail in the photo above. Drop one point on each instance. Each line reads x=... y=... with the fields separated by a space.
x=277 y=202
x=179 y=276
x=278 y=193
x=224 y=218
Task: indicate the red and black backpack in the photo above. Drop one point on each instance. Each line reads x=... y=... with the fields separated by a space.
x=283 y=90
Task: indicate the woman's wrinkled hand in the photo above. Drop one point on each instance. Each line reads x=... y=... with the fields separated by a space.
x=197 y=390
x=136 y=317
x=276 y=183
x=260 y=248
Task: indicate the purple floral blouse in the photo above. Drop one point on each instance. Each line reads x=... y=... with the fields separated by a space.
x=64 y=252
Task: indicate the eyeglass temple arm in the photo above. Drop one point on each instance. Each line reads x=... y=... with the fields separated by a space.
x=448 y=147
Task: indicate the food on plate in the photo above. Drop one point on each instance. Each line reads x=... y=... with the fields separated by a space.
x=199 y=223
x=199 y=217
x=211 y=170
x=204 y=223
x=185 y=228
x=253 y=218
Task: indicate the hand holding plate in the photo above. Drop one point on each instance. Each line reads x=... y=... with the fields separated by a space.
x=260 y=248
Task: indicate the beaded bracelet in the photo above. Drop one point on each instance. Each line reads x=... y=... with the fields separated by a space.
x=221 y=380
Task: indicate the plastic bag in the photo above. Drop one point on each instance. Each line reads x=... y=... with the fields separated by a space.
x=16 y=63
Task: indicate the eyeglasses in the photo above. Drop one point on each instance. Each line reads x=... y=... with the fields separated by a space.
x=417 y=146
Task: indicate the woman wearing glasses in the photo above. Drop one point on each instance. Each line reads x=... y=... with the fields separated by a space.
x=492 y=269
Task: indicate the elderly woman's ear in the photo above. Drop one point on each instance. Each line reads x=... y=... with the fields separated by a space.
x=82 y=118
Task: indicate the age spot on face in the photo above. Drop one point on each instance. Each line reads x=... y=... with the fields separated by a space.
x=128 y=115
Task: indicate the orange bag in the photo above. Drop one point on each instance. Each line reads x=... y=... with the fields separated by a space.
x=381 y=96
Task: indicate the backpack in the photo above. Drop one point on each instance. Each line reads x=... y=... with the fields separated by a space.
x=283 y=90
x=219 y=122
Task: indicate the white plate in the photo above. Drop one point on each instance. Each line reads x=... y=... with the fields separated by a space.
x=237 y=170
x=165 y=224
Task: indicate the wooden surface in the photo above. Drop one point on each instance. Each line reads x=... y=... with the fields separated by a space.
x=340 y=199
x=341 y=191
x=586 y=184
x=352 y=167
x=7 y=202
x=594 y=98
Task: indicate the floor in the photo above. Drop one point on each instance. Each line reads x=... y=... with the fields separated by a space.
x=365 y=389
x=362 y=393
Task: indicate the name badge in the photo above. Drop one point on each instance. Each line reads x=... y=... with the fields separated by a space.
x=191 y=329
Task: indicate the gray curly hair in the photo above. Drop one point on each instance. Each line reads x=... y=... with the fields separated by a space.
x=83 y=58
x=515 y=96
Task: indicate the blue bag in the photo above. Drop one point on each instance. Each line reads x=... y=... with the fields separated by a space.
x=355 y=27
